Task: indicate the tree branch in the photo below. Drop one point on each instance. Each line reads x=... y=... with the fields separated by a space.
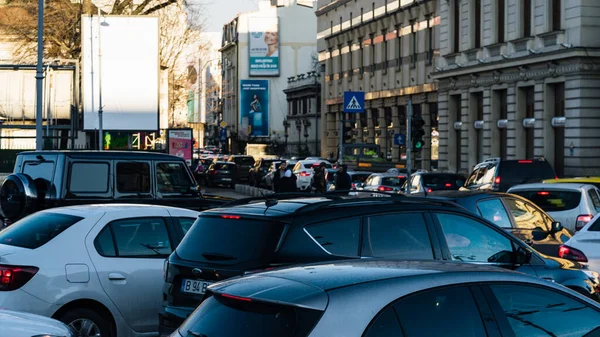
x=159 y=7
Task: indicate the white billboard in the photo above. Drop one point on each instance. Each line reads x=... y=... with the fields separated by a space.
x=129 y=69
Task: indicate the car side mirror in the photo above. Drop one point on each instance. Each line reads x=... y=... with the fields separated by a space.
x=556 y=227
x=522 y=256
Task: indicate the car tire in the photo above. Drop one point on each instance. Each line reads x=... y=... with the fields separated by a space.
x=82 y=318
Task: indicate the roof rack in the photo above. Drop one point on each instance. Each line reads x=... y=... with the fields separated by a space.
x=279 y=196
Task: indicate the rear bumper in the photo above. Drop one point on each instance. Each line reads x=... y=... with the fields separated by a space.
x=170 y=318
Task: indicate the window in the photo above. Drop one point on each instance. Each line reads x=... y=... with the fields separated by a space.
x=556 y=14
x=372 y=49
x=472 y=241
x=593 y=194
x=494 y=211
x=174 y=178
x=500 y=21
x=415 y=186
x=39 y=170
x=385 y=51
x=402 y=235
x=80 y=181
x=399 y=47
x=394 y=181
x=37 y=229
x=186 y=224
x=104 y=243
x=386 y=324
x=535 y=312
x=526 y=216
x=361 y=55
x=429 y=40
x=339 y=237
x=340 y=62
x=453 y=310
x=478 y=15
x=141 y=237
x=552 y=201
x=350 y=61
x=526 y=18
x=133 y=177
x=413 y=41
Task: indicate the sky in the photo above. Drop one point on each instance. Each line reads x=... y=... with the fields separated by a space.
x=219 y=12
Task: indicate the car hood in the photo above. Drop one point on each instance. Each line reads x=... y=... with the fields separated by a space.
x=17 y=324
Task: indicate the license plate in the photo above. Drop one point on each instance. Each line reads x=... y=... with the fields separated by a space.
x=226 y=179
x=194 y=286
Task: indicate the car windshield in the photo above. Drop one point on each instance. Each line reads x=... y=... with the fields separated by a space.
x=37 y=229
x=393 y=181
x=223 y=166
x=244 y=160
x=437 y=182
x=229 y=239
x=552 y=201
x=514 y=172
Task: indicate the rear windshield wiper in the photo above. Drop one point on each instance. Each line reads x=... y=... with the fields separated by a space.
x=218 y=257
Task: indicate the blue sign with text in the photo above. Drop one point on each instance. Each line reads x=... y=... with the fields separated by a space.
x=223 y=134
x=354 y=101
x=399 y=139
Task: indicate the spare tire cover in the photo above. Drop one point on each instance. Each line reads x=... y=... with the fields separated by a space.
x=18 y=196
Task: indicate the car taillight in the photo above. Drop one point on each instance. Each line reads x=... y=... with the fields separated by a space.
x=448 y=185
x=14 y=277
x=231 y=217
x=239 y=298
x=497 y=180
x=582 y=220
x=525 y=161
x=353 y=186
x=429 y=190
x=304 y=174
x=543 y=193
x=571 y=253
x=384 y=189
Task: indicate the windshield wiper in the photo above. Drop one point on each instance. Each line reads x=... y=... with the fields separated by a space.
x=151 y=247
x=218 y=257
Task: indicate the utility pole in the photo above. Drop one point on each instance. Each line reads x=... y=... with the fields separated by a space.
x=409 y=138
x=39 y=78
x=100 y=132
x=341 y=155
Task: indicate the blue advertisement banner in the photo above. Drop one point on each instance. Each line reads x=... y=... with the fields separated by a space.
x=254 y=108
x=263 y=45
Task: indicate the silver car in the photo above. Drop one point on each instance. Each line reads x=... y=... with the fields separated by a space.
x=379 y=298
x=22 y=324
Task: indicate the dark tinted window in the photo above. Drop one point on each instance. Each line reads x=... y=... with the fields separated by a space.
x=105 y=246
x=37 y=229
x=244 y=160
x=39 y=170
x=218 y=316
x=402 y=235
x=593 y=194
x=393 y=181
x=133 y=177
x=339 y=237
x=186 y=224
x=552 y=201
x=359 y=178
x=223 y=167
x=230 y=240
x=437 y=182
x=595 y=226
x=141 y=237
x=494 y=211
x=514 y=172
x=386 y=324
x=173 y=178
x=526 y=216
x=537 y=312
x=80 y=181
x=452 y=309
x=472 y=241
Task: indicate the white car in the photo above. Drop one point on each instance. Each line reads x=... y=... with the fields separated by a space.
x=587 y=240
x=304 y=172
x=97 y=268
x=21 y=324
x=571 y=204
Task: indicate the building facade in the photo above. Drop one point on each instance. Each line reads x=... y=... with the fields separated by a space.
x=386 y=49
x=303 y=121
x=295 y=30
x=519 y=79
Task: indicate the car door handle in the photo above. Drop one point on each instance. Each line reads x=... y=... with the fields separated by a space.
x=116 y=277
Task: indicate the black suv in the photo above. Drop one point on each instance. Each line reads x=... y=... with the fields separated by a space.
x=499 y=175
x=244 y=165
x=251 y=235
x=46 y=179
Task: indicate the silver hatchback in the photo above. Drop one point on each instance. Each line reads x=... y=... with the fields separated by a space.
x=380 y=298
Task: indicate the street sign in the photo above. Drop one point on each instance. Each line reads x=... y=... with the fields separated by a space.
x=399 y=139
x=223 y=124
x=354 y=101
x=223 y=134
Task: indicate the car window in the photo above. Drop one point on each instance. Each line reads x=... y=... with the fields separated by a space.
x=515 y=172
x=133 y=177
x=173 y=178
x=393 y=181
x=552 y=200
x=298 y=166
x=245 y=161
x=338 y=237
x=141 y=237
x=186 y=224
x=473 y=241
x=402 y=235
x=104 y=243
x=376 y=181
x=473 y=177
x=385 y=324
x=536 y=312
x=39 y=170
x=487 y=175
x=436 y=182
x=37 y=229
x=494 y=211
x=595 y=198
x=79 y=181
x=526 y=216
x=453 y=310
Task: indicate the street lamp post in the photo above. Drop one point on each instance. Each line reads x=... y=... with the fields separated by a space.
x=39 y=77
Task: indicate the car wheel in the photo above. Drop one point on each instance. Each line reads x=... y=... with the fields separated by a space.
x=87 y=323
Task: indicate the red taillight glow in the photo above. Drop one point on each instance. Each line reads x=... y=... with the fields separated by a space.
x=525 y=161
x=429 y=190
x=448 y=185
x=497 y=180
x=384 y=189
x=304 y=174
x=556 y=178
x=571 y=253
x=14 y=277
x=582 y=220
x=543 y=193
x=234 y=217
x=245 y=299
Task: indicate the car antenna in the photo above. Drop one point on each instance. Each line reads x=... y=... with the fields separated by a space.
x=268 y=202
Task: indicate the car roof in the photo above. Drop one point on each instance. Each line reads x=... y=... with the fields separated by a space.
x=387 y=175
x=573 y=180
x=545 y=186
x=90 y=209
x=106 y=154
x=458 y=194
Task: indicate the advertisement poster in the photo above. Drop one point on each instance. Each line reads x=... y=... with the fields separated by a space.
x=263 y=46
x=254 y=108
x=180 y=143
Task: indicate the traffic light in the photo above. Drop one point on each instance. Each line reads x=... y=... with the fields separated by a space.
x=417 y=133
x=347 y=133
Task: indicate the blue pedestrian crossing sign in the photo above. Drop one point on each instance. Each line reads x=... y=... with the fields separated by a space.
x=354 y=101
x=399 y=139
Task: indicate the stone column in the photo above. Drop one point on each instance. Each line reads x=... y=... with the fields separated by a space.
x=426 y=152
x=383 y=139
x=370 y=127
